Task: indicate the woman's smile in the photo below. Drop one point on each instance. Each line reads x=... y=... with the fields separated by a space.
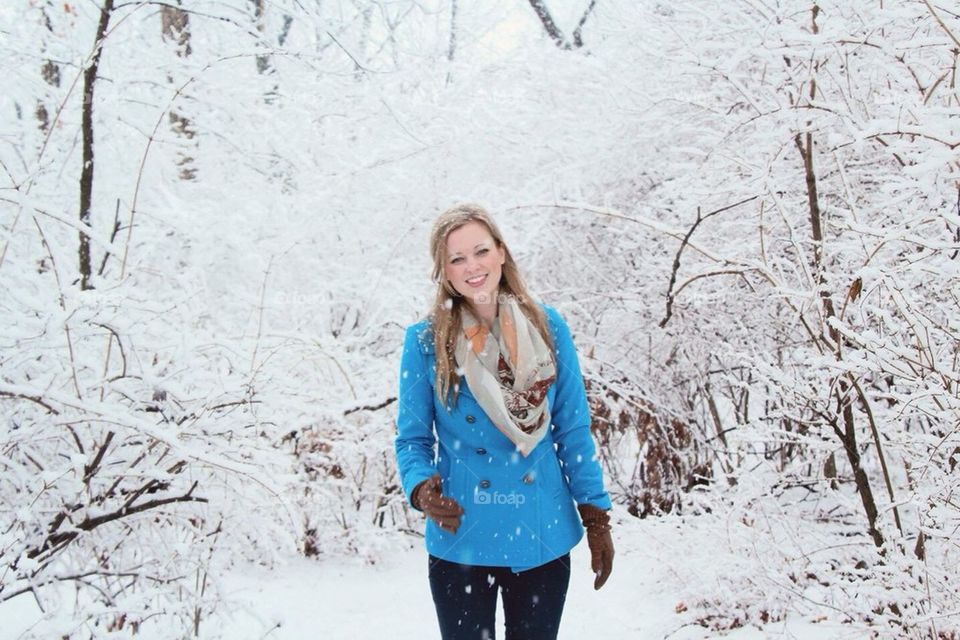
x=477 y=281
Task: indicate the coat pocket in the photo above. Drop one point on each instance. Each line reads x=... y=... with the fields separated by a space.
x=553 y=475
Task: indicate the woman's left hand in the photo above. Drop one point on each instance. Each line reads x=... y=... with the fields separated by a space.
x=597 y=523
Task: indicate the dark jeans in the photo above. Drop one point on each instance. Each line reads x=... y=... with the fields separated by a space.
x=466 y=599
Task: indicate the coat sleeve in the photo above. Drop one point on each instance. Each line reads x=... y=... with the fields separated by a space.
x=571 y=422
x=415 y=439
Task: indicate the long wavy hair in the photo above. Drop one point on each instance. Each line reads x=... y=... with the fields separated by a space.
x=446 y=318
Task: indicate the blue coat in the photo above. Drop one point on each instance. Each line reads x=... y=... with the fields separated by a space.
x=519 y=511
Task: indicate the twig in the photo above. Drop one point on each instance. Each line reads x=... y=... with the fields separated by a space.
x=263 y=293
x=80 y=576
x=876 y=441
x=113 y=236
x=577 y=37
x=63 y=306
x=349 y=55
x=367 y=407
x=91 y=468
x=943 y=25
x=36 y=399
x=683 y=243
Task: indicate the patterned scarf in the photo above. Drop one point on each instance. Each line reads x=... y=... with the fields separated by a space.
x=508 y=370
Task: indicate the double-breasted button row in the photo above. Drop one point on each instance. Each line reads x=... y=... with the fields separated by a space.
x=528 y=478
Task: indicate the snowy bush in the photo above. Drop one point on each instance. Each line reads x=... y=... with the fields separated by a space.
x=820 y=312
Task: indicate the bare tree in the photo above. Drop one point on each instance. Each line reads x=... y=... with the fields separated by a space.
x=540 y=7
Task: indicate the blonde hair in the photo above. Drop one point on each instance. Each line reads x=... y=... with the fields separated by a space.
x=445 y=317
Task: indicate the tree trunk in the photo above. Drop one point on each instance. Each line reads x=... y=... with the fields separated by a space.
x=175 y=24
x=50 y=72
x=263 y=60
x=847 y=435
x=362 y=50
x=175 y=27
x=554 y=31
x=86 y=170
x=453 y=30
x=548 y=24
x=578 y=32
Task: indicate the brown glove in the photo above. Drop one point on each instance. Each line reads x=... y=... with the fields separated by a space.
x=444 y=511
x=597 y=523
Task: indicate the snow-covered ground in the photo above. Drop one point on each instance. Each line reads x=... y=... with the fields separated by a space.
x=348 y=598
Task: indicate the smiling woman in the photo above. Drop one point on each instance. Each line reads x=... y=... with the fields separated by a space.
x=493 y=441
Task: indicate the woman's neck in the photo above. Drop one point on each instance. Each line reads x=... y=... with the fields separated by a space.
x=485 y=312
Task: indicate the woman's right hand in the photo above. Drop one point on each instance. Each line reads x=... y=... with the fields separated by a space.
x=444 y=511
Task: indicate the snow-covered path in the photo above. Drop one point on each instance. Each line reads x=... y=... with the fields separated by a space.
x=352 y=600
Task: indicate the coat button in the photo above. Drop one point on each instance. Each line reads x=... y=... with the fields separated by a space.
x=482 y=451
x=471 y=419
x=527 y=478
x=484 y=484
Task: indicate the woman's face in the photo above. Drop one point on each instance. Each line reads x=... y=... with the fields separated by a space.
x=473 y=263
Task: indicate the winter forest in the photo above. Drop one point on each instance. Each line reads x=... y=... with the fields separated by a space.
x=214 y=219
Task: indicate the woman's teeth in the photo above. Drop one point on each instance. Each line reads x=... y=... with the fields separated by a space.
x=476 y=282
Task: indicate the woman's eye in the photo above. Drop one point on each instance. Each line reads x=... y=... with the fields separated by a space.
x=456 y=260
x=483 y=252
